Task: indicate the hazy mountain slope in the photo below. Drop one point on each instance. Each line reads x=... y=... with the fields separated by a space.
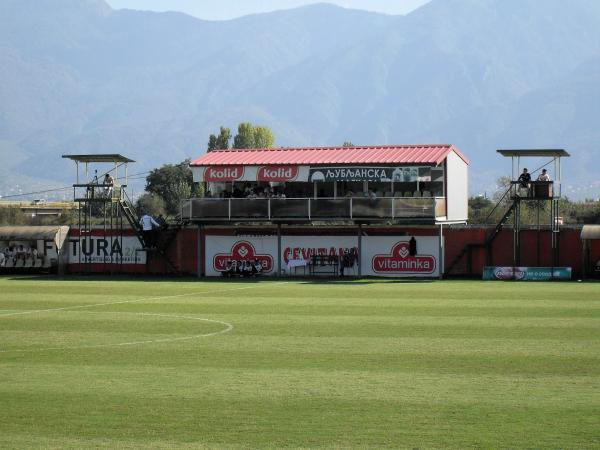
x=561 y=115
x=77 y=76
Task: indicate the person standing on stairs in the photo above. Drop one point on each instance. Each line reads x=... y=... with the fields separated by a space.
x=148 y=224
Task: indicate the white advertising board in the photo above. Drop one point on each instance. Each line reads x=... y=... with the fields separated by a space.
x=106 y=249
x=389 y=256
x=220 y=249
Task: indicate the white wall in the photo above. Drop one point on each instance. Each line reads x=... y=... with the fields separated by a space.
x=104 y=249
x=457 y=188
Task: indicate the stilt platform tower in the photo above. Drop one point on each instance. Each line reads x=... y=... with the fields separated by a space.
x=102 y=206
x=540 y=191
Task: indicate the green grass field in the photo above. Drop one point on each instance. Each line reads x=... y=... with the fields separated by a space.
x=89 y=363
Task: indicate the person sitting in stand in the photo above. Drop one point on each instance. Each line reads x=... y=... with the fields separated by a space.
x=2 y=259
x=109 y=182
x=228 y=269
x=236 y=268
x=257 y=267
x=345 y=261
x=232 y=268
x=525 y=180
x=248 y=269
x=9 y=253
x=20 y=252
x=543 y=176
x=349 y=194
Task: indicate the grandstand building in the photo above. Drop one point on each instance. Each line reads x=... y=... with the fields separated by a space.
x=301 y=210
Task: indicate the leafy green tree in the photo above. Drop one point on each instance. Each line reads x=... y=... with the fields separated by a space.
x=479 y=208
x=152 y=204
x=220 y=142
x=250 y=136
x=263 y=137
x=245 y=136
x=172 y=183
x=347 y=144
x=502 y=185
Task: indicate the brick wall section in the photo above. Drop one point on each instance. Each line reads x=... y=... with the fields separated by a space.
x=535 y=248
x=182 y=251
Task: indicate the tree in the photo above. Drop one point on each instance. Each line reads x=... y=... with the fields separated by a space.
x=250 y=136
x=502 y=185
x=151 y=204
x=220 y=142
x=172 y=183
x=479 y=208
x=245 y=136
x=347 y=144
x=263 y=137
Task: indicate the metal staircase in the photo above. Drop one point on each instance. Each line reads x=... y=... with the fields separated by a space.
x=489 y=240
x=165 y=236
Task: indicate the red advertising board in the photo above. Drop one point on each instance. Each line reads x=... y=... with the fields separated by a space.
x=277 y=173
x=223 y=173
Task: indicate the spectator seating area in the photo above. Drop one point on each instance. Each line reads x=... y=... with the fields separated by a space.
x=22 y=259
x=243 y=268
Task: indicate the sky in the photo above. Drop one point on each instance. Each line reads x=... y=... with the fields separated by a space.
x=229 y=9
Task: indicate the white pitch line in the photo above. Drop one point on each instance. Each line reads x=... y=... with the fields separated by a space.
x=228 y=328
x=131 y=301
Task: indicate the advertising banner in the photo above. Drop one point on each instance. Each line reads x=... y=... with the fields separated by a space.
x=385 y=256
x=362 y=173
x=106 y=250
x=390 y=256
x=527 y=273
x=221 y=249
x=272 y=173
x=297 y=251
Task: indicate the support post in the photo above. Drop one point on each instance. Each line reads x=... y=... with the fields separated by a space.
x=517 y=235
x=441 y=251
x=278 y=249
x=198 y=251
x=202 y=253
x=359 y=250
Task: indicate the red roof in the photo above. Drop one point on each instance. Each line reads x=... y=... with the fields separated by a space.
x=384 y=154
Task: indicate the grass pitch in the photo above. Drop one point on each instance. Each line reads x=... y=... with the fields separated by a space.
x=357 y=364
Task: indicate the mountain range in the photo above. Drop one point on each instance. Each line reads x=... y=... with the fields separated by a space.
x=79 y=77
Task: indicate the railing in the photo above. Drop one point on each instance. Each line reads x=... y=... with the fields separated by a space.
x=245 y=209
x=98 y=192
x=538 y=190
